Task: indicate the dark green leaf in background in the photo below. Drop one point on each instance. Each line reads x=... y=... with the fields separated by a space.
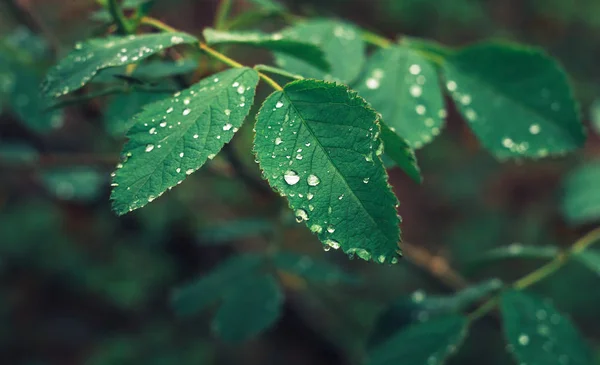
x=74 y=183
x=318 y=145
x=343 y=46
x=581 y=194
x=248 y=308
x=312 y=270
x=174 y=137
x=233 y=230
x=538 y=334
x=590 y=258
x=192 y=298
x=400 y=152
x=427 y=343
x=118 y=116
x=517 y=251
x=517 y=100
x=284 y=42
x=269 y=5
x=403 y=86
x=91 y=56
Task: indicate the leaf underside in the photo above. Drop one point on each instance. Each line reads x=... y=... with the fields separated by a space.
x=174 y=137
x=318 y=144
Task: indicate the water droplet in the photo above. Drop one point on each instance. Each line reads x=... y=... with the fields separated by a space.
x=418 y=296
x=508 y=143
x=534 y=129
x=279 y=104
x=189 y=171
x=372 y=83
x=465 y=99
x=186 y=111
x=471 y=115
x=301 y=215
x=416 y=91
x=366 y=180
x=420 y=109
x=240 y=90
x=332 y=243
x=227 y=126
x=313 y=180
x=330 y=229
x=149 y=147
x=278 y=141
x=523 y=340
x=315 y=228
x=181 y=154
x=341 y=197
x=414 y=69
x=196 y=136
x=178 y=170
x=186 y=101
x=152 y=130
x=451 y=85
x=170 y=110
x=291 y=177
x=163 y=124
x=227 y=112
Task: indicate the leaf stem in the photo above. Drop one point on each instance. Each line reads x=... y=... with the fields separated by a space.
x=153 y=22
x=277 y=71
x=219 y=56
x=375 y=39
x=123 y=24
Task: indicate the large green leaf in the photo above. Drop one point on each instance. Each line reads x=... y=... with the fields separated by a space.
x=581 y=194
x=538 y=334
x=517 y=100
x=118 y=116
x=174 y=137
x=284 y=42
x=310 y=269
x=89 y=57
x=428 y=343
x=343 y=46
x=400 y=152
x=249 y=308
x=318 y=144
x=192 y=298
x=403 y=86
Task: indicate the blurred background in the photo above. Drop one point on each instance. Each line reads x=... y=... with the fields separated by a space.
x=79 y=285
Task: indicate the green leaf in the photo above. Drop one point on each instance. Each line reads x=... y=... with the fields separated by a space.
x=269 y=5
x=420 y=307
x=403 y=86
x=517 y=100
x=249 y=308
x=312 y=270
x=82 y=64
x=174 y=137
x=318 y=144
x=344 y=50
x=517 y=251
x=192 y=298
x=162 y=69
x=590 y=259
x=538 y=334
x=400 y=152
x=429 y=343
x=73 y=183
x=284 y=42
x=118 y=117
x=581 y=194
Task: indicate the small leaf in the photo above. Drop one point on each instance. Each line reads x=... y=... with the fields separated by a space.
x=248 y=308
x=590 y=259
x=400 y=152
x=312 y=270
x=581 y=194
x=84 y=62
x=73 y=183
x=269 y=5
x=517 y=100
x=318 y=144
x=403 y=86
x=518 y=251
x=174 y=137
x=118 y=116
x=284 y=42
x=192 y=298
x=428 y=343
x=420 y=307
x=344 y=50
x=538 y=334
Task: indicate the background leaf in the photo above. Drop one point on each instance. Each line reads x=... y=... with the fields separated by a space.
x=591 y=259
x=581 y=194
x=403 y=86
x=82 y=64
x=74 y=183
x=249 y=308
x=342 y=44
x=174 y=137
x=424 y=343
x=538 y=334
x=517 y=100
x=312 y=270
x=283 y=42
x=338 y=189
x=118 y=116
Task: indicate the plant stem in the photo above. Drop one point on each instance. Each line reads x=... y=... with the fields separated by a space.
x=123 y=24
x=222 y=14
x=153 y=22
x=375 y=39
x=219 y=56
